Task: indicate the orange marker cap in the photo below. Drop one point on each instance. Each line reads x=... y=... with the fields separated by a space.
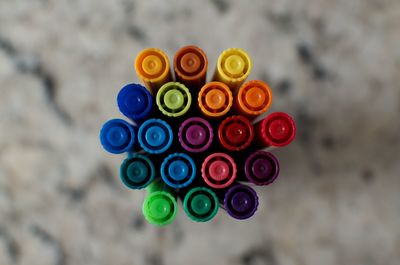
x=153 y=68
x=190 y=66
x=215 y=99
x=254 y=98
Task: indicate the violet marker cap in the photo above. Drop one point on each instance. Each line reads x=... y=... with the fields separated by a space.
x=195 y=135
x=261 y=168
x=241 y=202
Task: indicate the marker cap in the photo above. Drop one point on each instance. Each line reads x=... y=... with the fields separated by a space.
x=153 y=68
x=117 y=136
x=278 y=129
x=218 y=170
x=201 y=204
x=215 y=99
x=195 y=135
x=236 y=133
x=178 y=170
x=155 y=136
x=190 y=65
x=137 y=171
x=160 y=208
x=173 y=99
x=233 y=67
x=254 y=98
x=241 y=202
x=135 y=101
x=261 y=168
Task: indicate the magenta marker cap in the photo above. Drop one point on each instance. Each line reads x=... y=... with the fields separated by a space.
x=195 y=135
x=261 y=168
x=241 y=202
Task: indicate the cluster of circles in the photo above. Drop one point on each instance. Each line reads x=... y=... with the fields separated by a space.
x=193 y=140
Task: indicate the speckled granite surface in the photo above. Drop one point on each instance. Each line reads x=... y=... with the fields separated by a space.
x=333 y=64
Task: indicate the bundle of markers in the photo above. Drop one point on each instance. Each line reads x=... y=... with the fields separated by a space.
x=194 y=141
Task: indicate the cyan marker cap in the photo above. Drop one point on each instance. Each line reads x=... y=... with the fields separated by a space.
x=178 y=170
x=155 y=136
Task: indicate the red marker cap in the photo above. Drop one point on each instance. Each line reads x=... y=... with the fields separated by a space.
x=218 y=170
x=277 y=129
x=236 y=133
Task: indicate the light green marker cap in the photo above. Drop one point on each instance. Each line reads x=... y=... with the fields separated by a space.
x=201 y=204
x=173 y=99
x=160 y=208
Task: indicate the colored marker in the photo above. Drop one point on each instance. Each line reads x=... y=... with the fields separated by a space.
x=135 y=102
x=160 y=206
x=190 y=65
x=173 y=99
x=137 y=171
x=233 y=67
x=153 y=68
x=178 y=170
x=195 y=135
x=235 y=133
x=200 y=204
x=278 y=129
x=117 y=136
x=254 y=98
x=155 y=136
x=241 y=201
x=215 y=99
x=218 y=170
x=261 y=168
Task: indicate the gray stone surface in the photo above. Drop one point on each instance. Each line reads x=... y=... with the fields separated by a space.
x=333 y=64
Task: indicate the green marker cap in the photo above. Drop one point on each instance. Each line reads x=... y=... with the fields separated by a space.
x=201 y=204
x=160 y=208
x=173 y=99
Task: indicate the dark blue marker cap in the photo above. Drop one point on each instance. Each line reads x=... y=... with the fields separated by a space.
x=178 y=170
x=135 y=102
x=117 y=136
x=137 y=171
x=155 y=136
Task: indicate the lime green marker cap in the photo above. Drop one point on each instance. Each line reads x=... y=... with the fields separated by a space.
x=160 y=208
x=201 y=204
x=173 y=99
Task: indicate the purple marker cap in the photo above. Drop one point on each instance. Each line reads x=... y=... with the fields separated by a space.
x=261 y=168
x=241 y=202
x=195 y=135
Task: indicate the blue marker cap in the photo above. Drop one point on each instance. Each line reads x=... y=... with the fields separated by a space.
x=155 y=136
x=135 y=101
x=117 y=136
x=178 y=170
x=137 y=171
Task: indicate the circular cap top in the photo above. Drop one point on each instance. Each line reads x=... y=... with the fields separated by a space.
x=195 y=134
x=236 y=133
x=152 y=64
x=241 y=201
x=178 y=170
x=117 y=136
x=160 y=208
x=201 y=204
x=234 y=63
x=218 y=170
x=278 y=129
x=215 y=99
x=173 y=99
x=155 y=136
x=134 y=101
x=190 y=62
x=137 y=172
x=254 y=97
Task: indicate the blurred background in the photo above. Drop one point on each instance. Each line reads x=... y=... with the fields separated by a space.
x=332 y=64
